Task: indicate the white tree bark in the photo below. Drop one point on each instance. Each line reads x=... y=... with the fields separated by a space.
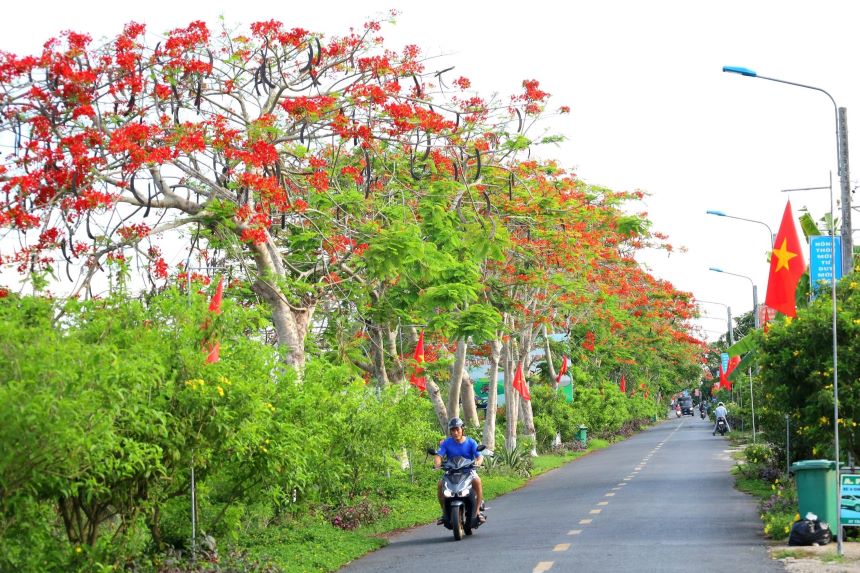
x=492 y=395
x=467 y=398
x=456 y=379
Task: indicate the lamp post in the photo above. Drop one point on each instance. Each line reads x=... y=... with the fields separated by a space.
x=754 y=290
x=721 y=214
x=731 y=329
x=847 y=251
x=841 y=161
x=835 y=357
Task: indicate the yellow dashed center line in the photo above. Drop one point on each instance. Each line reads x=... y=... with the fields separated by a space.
x=602 y=503
x=595 y=511
x=584 y=521
x=561 y=547
x=609 y=495
x=543 y=566
x=574 y=532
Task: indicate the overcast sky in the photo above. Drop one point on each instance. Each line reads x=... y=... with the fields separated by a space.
x=650 y=106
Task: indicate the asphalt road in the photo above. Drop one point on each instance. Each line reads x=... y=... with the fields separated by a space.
x=662 y=500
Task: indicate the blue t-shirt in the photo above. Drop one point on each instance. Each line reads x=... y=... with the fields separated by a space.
x=468 y=449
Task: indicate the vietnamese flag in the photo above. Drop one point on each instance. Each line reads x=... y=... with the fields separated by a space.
x=520 y=383
x=724 y=377
x=562 y=370
x=623 y=384
x=786 y=266
x=417 y=379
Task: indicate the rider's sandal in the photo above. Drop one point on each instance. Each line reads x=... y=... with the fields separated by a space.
x=482 y=518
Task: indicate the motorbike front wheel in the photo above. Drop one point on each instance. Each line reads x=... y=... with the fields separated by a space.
x=458 y=523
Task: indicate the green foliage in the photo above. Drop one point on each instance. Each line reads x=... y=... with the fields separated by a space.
x=106 y=410
x=553 y=414
x=796 y=377
x=516 y=461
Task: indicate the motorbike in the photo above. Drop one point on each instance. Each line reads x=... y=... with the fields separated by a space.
x=722 y=427
x=702 y=412
x=678 y=412
x=461 y=513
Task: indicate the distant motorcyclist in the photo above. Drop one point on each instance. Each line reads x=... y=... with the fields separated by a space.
x=721 y=412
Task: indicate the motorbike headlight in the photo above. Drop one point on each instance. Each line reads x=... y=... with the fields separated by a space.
x=448 y=493
x=465 y=492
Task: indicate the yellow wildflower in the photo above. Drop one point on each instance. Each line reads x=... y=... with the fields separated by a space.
x=220 y=391
x=823 y=420
x=195 y=383
x=78 y=549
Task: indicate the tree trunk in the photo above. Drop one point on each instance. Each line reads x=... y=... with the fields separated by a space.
x=291 y=323
x=529 y=424
x=548 y=357
x=438 y=405
x=377 y=354
x=511 y=396
x=395 y=368
x=492 y=396
x=467 y=397
x=456 y=379
x=526 y=405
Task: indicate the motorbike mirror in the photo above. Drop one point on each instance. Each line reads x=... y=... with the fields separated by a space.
x=482 y=447
x=431 y=451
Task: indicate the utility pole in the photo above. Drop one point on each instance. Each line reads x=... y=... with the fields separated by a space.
x=845 y=185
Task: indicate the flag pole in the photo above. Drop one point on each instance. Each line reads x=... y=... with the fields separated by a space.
x=839 y=550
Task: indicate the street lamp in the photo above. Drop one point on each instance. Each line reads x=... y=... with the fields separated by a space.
x=721 y=214
x=754 y=290
x=731 y=330
x=835 y=357
x=841 y=162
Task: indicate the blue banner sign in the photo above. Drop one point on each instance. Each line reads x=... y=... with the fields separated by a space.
x=724 y=360
x=821 y=260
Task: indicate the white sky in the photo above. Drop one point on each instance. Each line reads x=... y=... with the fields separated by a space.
x=650 y=106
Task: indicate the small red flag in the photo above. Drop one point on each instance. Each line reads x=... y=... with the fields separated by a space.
x=623 y=384
x=561 y=371
x=520 y=383
x=214 y=352
x=786 y=266
x=215 y=305
x=417 y=379
x=213 y=349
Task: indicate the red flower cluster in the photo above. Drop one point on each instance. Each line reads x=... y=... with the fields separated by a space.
x=134 y=232
x=588 y=343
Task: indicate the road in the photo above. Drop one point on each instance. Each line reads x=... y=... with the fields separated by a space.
x=662 y=500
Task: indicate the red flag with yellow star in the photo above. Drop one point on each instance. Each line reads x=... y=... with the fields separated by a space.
x=786 y=266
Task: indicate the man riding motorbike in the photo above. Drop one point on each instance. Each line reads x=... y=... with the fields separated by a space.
x=459 y=445
x=721 y=412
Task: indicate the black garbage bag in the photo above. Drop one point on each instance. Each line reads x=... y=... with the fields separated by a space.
x=810 y=532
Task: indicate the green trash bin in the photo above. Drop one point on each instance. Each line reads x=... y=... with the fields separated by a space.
x=816 y=489
x=582 y=435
